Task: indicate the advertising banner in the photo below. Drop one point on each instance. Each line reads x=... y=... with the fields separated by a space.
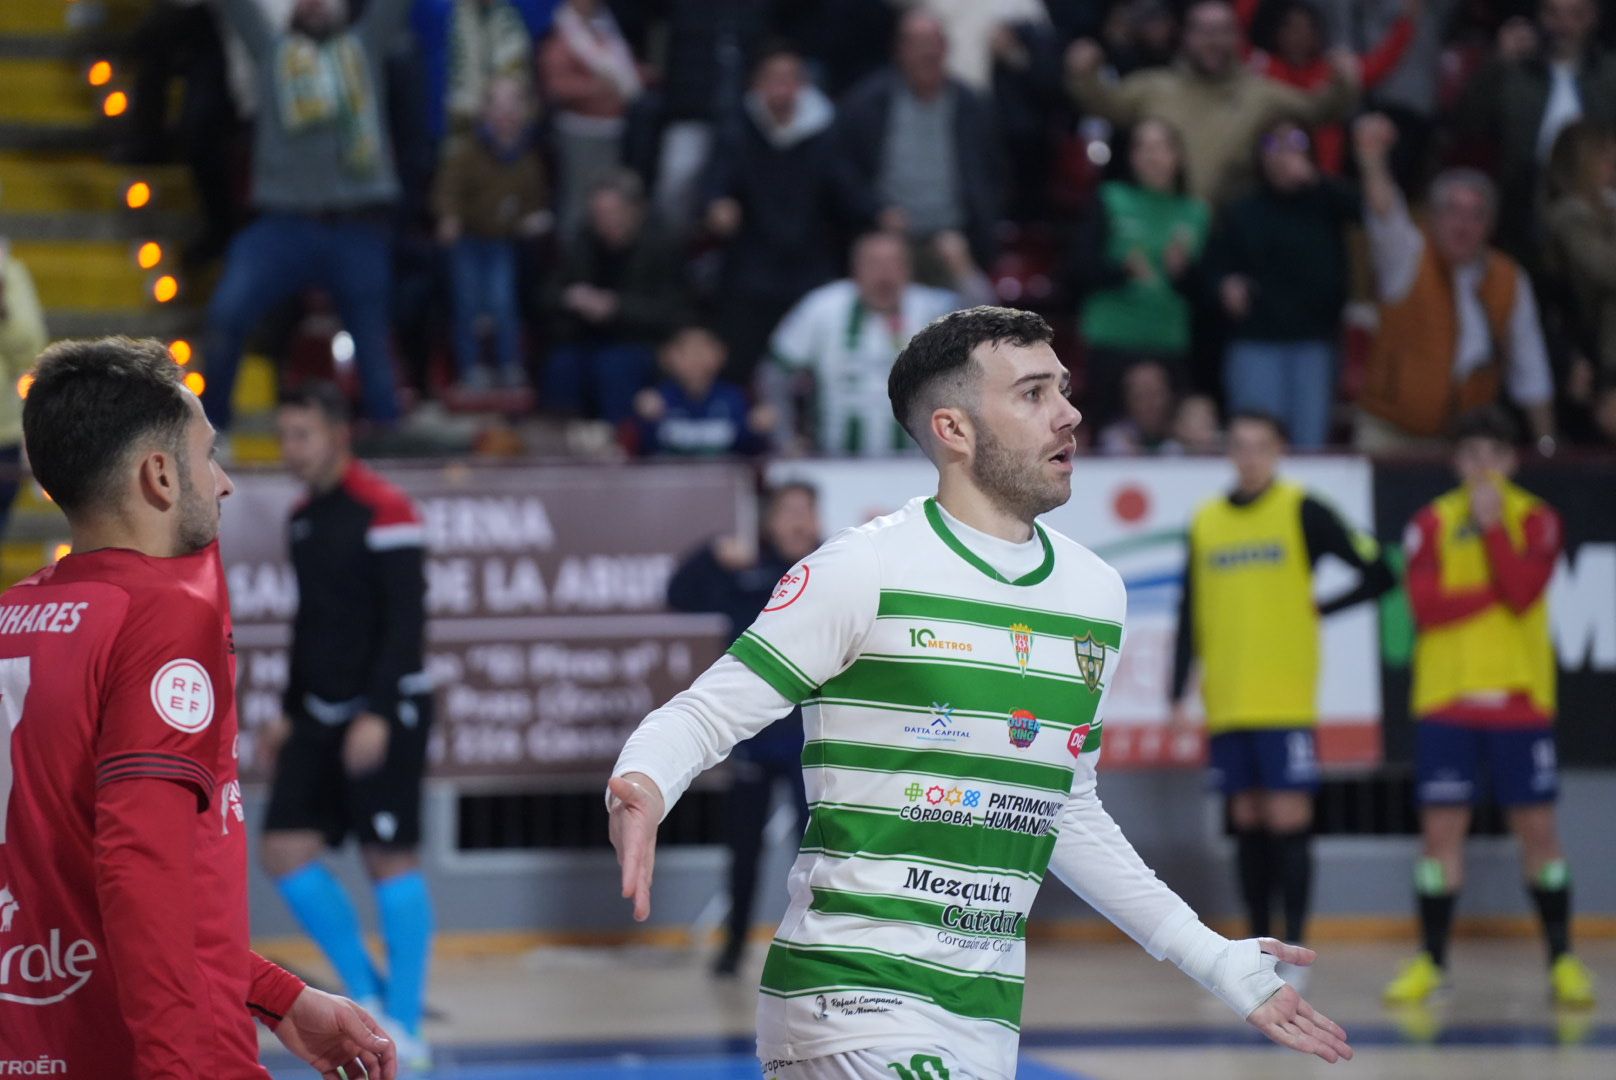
x=1582 y=598
x=1133 y=513
x=547 y=635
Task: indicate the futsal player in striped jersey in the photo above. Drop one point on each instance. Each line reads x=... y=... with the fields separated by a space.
x=952 y=661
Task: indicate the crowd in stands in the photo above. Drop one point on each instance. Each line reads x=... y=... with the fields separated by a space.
x=712 y=224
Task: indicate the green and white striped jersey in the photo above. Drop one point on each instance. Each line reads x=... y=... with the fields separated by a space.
x=950 y=713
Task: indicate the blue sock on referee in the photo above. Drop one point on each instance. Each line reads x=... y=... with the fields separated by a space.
x=406 y=917
x=317 y=898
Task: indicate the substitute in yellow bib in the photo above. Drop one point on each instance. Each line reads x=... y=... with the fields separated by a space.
x=1479 y=562
x=1249 y=618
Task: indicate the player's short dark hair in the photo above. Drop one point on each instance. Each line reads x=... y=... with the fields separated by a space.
x=943 y=351
x=1258 y=416
x=321 y=395
x=1488 y=422
x=90 y=404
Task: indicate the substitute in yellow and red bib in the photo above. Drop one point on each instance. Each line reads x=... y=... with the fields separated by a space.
x=1248 y=616
x=1479 y=562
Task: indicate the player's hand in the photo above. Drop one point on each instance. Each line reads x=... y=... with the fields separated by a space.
x=1235 y=292
x=332 y=1033
x=1517 y=40
x=271 y=739
x=650 y=405
x=364 y=747
x=762 y=419
x=1176 y=255
x=734 y=553
x=724 y=217
x=954 y=252
x=1083 y=58
x=1373 y=136
x=1346 y=66
x=1139 y=267
x=1486 y=503
x=1287 y=1019
x=636 y=811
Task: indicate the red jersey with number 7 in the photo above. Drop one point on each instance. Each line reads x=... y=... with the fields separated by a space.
x=115 y=666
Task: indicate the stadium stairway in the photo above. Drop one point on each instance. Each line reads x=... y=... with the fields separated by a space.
x=97 y=237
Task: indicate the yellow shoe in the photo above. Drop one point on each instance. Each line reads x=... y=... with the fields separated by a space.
x=1418 y=1023
x=1419 y=979
x=1571 y=983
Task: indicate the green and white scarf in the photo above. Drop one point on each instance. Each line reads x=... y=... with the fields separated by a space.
x=320 y=83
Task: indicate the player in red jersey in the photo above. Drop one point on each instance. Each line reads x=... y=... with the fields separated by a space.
x=123 y=852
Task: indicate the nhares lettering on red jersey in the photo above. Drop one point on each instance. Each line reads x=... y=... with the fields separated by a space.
x=48 y=618
x=182 y=694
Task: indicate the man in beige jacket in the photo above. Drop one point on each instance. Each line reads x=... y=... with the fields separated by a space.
x=1217 y=105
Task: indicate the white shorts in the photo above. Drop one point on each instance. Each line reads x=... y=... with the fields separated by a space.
x=877 y=1064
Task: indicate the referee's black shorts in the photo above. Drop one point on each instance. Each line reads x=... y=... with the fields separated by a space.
x=312 y=791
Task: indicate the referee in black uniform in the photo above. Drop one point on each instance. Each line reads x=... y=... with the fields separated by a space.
x=353 y=738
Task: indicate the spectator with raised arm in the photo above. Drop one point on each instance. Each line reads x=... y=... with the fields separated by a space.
x=1298 y=59
x=323 y=183
x=588 y=79
x=1458 y=319
x=1218 y=104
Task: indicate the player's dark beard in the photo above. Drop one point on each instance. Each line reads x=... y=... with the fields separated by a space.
x=199 y=522
x=1017 y=486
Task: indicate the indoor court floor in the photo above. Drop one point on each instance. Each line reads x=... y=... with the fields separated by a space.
x=1093 y=1012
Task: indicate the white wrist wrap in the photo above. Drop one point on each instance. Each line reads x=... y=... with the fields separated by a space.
x=1238 y=972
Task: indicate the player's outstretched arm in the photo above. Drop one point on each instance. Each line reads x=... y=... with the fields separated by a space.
x=636 y=809
x=1286 y=1017
x=1097 y=862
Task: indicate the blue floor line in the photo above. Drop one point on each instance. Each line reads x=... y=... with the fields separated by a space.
x=731 y=1058
x=636 y=1067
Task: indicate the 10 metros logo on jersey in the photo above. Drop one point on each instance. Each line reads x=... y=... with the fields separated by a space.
x=39 y=972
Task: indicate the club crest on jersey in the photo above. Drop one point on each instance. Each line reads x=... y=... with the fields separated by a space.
x=1090 y=660
x=1021 y=639
x=1023 y=728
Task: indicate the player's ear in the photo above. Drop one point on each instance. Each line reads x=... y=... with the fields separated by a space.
x=160 y=479
x=951 y=432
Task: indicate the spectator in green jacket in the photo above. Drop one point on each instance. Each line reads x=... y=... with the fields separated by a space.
x=1133 y=257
